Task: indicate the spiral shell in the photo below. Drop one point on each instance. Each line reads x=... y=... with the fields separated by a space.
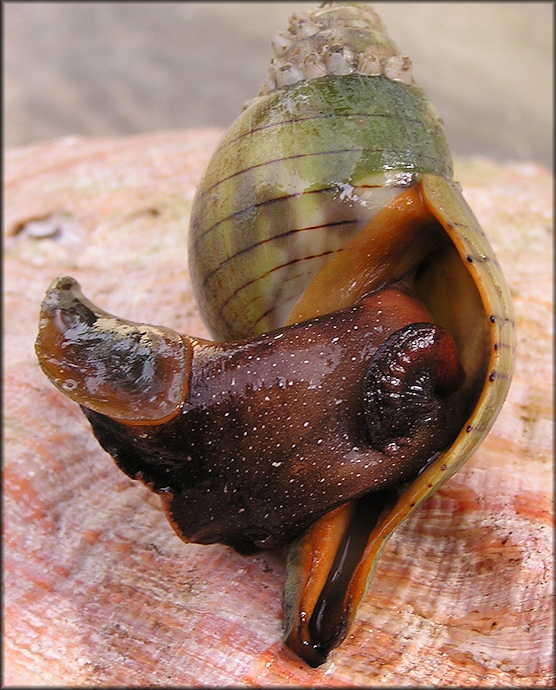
x=305 y=167
x=337 y=180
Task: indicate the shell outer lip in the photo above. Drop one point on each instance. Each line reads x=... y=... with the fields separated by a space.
x=444 y=197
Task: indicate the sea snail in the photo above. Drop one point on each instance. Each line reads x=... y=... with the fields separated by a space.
x=363 y=333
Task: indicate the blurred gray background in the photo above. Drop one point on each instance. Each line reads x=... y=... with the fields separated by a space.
x=115 y=68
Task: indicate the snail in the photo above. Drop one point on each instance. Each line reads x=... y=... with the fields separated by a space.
x=362 y=328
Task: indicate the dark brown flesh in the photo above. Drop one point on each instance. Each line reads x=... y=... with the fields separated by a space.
x=278 y=430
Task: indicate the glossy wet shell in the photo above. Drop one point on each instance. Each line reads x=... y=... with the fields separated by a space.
x=294 y=179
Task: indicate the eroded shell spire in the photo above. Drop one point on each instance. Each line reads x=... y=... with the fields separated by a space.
x=336 y=38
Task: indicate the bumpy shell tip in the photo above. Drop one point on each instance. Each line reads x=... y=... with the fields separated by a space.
x=335 y=38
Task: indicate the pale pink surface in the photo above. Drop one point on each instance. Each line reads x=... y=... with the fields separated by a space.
x=99 y=590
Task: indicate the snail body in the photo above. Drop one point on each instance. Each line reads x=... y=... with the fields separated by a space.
x=362 y=328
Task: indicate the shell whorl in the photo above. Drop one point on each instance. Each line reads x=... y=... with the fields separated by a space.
x=334 y=39
x=337 y=132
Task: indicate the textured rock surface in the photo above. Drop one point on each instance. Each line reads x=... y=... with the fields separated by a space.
x=97 y=588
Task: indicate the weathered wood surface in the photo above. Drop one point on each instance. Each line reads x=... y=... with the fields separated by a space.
x=98 y=590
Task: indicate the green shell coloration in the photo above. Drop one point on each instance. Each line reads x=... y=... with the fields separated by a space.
x=294 y=179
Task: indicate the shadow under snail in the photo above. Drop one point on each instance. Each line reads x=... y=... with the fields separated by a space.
x=363 y=333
